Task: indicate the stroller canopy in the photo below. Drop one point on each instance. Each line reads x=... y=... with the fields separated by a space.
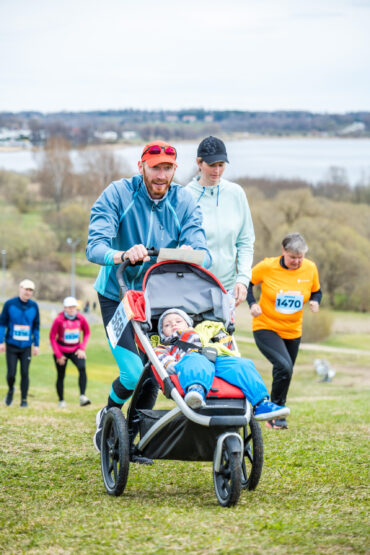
x=188 y=287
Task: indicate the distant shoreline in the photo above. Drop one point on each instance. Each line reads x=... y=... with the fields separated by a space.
x=225 y=137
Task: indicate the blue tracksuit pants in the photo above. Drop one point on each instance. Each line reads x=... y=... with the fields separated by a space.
x=195 y=368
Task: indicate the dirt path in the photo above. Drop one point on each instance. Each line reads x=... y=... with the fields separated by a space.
x=316 y=347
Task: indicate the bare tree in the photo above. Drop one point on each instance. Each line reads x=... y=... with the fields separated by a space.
x=101 y=167
x=55 y=170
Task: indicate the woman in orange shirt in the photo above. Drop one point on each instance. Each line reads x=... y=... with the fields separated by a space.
x=287 y=283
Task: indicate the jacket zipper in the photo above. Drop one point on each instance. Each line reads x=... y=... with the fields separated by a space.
x=147 y=246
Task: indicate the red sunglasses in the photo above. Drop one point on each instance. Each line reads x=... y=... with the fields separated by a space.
x=157 y=149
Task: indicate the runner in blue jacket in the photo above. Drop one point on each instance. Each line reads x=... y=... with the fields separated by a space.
x=19 y=329
x=129 y=217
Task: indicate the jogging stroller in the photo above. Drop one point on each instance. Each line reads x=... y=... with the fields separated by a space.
x=223 y=431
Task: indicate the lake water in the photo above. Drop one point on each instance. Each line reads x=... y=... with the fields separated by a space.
x=306 y=158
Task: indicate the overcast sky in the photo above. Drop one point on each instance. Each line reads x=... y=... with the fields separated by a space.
x=212 y=54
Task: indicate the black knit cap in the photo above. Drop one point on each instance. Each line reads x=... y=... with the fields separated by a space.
x=212 y=150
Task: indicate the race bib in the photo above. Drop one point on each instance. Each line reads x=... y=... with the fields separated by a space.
x=117 y=325
x=289 y=303
x=21 y=333
x=71 y=336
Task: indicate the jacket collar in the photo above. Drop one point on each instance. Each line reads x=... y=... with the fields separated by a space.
x=209 y=189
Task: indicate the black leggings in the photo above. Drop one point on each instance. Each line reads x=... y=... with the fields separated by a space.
x=61 y=370
x=13 y=354
x=282 y=354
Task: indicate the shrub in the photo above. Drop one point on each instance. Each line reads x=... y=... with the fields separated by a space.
x=316 y=327
x=14 y=189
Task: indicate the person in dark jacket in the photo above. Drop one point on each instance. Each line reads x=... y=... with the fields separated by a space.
x=19 y=330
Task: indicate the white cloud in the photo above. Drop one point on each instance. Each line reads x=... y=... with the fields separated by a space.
x=246 y=54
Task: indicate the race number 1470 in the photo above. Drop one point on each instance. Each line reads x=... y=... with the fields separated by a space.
x=288 y=303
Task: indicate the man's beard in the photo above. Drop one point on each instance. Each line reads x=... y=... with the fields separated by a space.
x=153 y=192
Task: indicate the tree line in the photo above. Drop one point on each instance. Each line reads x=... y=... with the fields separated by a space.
x=81 y=128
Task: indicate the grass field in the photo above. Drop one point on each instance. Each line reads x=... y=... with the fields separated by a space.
x=311 y=497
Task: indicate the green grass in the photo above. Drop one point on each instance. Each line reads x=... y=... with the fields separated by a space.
x=349 y=340
x=87 y=270
x=311 y=497
x=31 y=219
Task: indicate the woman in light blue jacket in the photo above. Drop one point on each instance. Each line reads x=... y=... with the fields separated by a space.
x=227 y=219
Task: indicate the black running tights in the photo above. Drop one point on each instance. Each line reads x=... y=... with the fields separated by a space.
x=13 y=354
x=282 y=354
x=80 y=363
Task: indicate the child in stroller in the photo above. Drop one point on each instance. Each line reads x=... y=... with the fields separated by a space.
x=181 y=352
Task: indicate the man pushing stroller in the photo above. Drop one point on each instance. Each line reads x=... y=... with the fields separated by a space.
x=180 y=352
x=129 y=216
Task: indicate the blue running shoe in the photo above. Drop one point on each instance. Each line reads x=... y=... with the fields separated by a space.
x=195 y=396
x=266 y=410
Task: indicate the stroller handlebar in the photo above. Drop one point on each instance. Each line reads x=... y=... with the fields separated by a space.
x=123 y=288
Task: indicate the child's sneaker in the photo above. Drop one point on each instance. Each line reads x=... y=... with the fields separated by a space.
x=84 y=401
x=266 y=410
x=99 y=428
x=195 y=396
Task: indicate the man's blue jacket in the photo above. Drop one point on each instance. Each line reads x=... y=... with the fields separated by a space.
x=124 y=215
x=20 y=323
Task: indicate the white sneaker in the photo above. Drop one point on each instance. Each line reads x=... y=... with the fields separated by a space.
x=99 y=428
x=195 y=397
x=84 y=401
x=62 y=404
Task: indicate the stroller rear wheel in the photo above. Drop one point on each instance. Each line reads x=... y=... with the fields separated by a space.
x=115 y=452
x=253 y=455
x=227 y=480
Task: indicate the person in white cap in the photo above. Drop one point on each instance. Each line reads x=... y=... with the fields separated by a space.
x=66 y=342
x=19 y=330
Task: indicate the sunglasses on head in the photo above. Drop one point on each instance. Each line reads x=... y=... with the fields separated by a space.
x=157 y=149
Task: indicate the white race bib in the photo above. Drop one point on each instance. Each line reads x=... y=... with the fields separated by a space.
x=21 y=333
x=117 y=325
x=71 y=336
x=289 y=303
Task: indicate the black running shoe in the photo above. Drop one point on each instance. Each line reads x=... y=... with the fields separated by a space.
x=277 y=424
x=141 y=460
x=9 y=397
x=24 y=403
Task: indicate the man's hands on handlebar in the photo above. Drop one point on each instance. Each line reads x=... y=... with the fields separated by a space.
x=138 y=253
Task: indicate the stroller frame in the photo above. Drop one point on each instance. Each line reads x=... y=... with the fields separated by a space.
x=223 y=417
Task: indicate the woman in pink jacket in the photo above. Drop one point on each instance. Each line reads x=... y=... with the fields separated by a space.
x=65 y=339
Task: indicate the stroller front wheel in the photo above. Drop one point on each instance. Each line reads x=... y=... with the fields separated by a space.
x=227 y=480
x=253 y=455
x=115 y=452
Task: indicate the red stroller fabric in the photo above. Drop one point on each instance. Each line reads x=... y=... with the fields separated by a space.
x=219 y=390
